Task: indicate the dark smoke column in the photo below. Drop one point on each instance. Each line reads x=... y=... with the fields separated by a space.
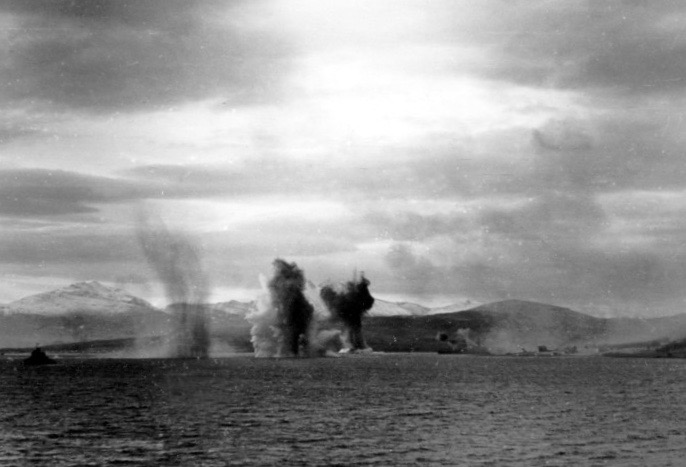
x=191 y=337
x=293 y=311
x=178 y=266
x=349 y=304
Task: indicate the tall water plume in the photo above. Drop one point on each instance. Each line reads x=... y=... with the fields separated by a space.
x=177 y=263
x=282 y=322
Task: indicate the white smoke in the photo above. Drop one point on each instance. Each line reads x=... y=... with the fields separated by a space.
x=325 y=339
x=266 y=336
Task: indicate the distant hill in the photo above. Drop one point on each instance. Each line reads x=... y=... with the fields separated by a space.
x=233 y=307
x=384 y=308
x=453 y=307
x=92 y=297
x=380 y=308
x=80 y=312
x=90 y=311
x=506 y=326
x=519 y=324
x=516 y=325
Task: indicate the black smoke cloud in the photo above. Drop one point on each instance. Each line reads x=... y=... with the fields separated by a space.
x=177 y=263
x=282 y=321
x=293 y=310
x=349 y=303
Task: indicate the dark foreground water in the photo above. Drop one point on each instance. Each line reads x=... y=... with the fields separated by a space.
x=373 y=410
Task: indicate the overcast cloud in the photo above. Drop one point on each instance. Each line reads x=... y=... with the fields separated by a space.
x=452 y=150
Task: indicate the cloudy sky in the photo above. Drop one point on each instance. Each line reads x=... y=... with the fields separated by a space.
x=452 y=150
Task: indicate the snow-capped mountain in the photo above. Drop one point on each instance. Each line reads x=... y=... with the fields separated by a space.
x=455 y=307
x=83 y=297
x=384 y=308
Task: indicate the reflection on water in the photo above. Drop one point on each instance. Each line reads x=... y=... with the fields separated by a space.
x=383 y=410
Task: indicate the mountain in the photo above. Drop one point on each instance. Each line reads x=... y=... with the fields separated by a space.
x=516 y=325
x=384 y=308
x=109 y=317
x=87 y=297
x=380 y=308
x=233 y=307
x=79 y=312
x=453 y=307
x=501 y=327
x=521 y=324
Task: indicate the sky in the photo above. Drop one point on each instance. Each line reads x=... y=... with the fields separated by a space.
x=454 y=151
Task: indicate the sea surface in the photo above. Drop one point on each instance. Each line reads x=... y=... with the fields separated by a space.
x=385 y=409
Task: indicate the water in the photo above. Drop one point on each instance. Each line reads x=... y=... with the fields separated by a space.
x=376 y=410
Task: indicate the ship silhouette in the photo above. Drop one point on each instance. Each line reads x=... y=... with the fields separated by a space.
x=38 y=357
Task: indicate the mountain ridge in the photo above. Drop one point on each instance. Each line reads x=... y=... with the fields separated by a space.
x=88 y=311
x=86 y=297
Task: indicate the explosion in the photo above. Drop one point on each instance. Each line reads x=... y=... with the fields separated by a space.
x=282 y=321
x=348 y=304
x=294 y=318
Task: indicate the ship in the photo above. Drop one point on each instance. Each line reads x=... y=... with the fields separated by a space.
x=38 y=357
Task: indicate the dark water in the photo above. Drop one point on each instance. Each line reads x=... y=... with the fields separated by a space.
x=375 y=410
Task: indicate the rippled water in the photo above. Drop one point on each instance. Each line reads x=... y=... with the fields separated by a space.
x=374 y=410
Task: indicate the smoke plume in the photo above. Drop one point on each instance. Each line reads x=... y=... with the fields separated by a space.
x=348 y=304
x=178 y=266
x=282 y=323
